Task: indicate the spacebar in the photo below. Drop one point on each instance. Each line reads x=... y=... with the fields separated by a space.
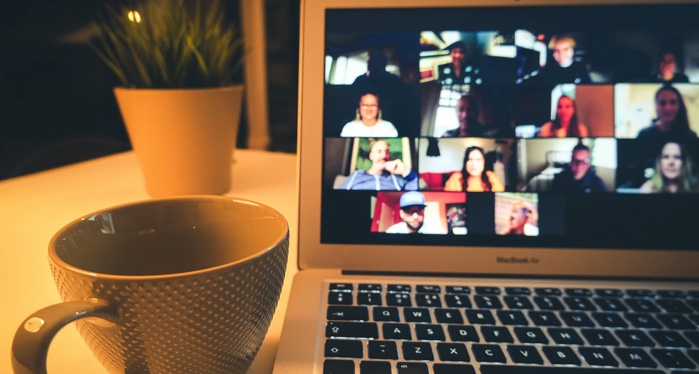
x=502 y=369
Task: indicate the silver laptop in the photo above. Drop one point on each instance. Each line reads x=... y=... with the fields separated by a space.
x=496 y=186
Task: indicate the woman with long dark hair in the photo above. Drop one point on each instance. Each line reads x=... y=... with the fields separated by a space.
x=473 y=177
x=565 y=124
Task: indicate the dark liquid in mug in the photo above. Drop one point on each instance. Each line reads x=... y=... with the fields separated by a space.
x=120 y=244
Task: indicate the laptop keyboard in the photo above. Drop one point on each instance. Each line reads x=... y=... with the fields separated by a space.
x=421 y=329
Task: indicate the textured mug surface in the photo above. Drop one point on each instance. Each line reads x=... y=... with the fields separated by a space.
x=194 y=282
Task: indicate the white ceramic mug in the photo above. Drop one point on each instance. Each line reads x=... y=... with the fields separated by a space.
x=177 y=285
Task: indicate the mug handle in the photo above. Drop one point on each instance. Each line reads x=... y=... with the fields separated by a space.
x=32 y=339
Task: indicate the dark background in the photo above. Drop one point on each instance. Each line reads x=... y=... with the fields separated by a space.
x=56 y=100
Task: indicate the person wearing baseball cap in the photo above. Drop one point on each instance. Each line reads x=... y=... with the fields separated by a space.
x=412 y=214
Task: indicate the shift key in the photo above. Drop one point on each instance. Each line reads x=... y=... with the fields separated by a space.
x=361 y=330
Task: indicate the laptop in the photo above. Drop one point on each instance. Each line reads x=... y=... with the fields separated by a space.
x=496 y=186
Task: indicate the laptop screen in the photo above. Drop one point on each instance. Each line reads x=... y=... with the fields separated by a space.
x=538 y=127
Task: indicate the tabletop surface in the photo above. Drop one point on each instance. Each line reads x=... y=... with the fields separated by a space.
x=34 y=207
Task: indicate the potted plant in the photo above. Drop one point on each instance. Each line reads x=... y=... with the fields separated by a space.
x=176 y=61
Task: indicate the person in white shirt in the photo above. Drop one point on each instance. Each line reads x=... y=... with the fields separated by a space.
x=412 y=212
x=368 y=122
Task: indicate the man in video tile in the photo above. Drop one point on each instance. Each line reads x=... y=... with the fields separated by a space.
x=578 y=177
x=412 y=212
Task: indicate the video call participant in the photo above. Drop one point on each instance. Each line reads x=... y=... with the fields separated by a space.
x=412 y=214
x=376 y=73
x=368 y=122
x=578 y=177
x=473 y=177
x=467 y=113
x=564 y=68
x=460 y=70
x=667 y=70
x=671 y=125
x=566 y=123
x=519 y=220
x=384 y=174
x=672 y=172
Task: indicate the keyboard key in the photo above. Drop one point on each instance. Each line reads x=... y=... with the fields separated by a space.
x=398 y=288
x=487 y=290
x=673 y=306
x=609 y=292
x=634 y=338
x=428 y=300
x=640 y=293
x=341 y=287
x=676 y=322
x=480 y=317
x=458 y=290
x=670 y=339
x=463 y=333
x=428 y=289
x=693 y=337
x=457 y=301
x=497 y=334
x=561 y=356
x=544 y=318
x=672 y=294
x=598 y=357
x=417 y=351
x=338 y=367
x=578 y=292
x=370 y=287
x=524 y=354
x=611 y=320
x=548 y=291
x=599 y=337
x=512 y=318
x=523 y=291
x=344 y=348
x=642 y=320
x=398 y=299
x=417 y=315
x=579 y=303
x=378 y=367
x=642 y=305
x=530 y=335
x=452 y=352
x=347 y=313
x=380 y=349
x=565 y=336
x=518 y=302
x=396 y=331
x=503 y=369
x=428 y=332
x=366 y=330
x=672 y=358
x=576 y=319
x=452 y=316
x=610 y=304
x=488 y=353
x=487 y=302
x=694 y=354
x=548 y=303
x=453 y=369
x=369 y=298
x=412 y=368
x=340 y=298
x=382 y=314
x=635 y=358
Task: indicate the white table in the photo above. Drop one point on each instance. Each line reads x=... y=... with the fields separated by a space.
x=34 y=207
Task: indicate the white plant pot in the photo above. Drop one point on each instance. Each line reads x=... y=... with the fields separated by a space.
x=183 y=138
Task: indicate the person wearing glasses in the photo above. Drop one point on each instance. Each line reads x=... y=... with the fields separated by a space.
x=578 y=177
x=368 y=122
